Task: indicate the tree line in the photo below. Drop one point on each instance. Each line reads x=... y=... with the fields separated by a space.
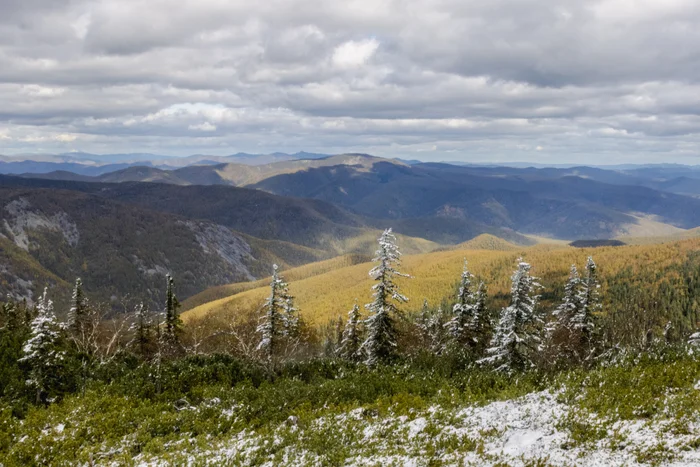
x=43 y=357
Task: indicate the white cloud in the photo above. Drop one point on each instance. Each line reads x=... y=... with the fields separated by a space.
x=35 y=90
x=206 y=126
x=65 y=138
x=602 y=80
x=353 y=54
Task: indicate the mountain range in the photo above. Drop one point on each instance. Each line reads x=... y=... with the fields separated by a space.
x=220 y=222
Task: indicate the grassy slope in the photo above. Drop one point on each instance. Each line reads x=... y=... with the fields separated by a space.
x=644 y=240
x=294 y=274
x=331 y=294
x=359 y=250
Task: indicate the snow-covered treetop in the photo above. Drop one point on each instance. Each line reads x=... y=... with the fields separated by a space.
x=522 y=285
x=389 y=257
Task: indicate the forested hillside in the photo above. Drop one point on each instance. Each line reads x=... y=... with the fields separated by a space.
x=122 y=239
x=450 y=360
x=450 y=204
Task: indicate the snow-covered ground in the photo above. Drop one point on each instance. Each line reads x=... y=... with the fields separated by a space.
x=535 y=430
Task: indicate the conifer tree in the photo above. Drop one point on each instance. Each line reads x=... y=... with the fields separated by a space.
x=436 y=331
x=143 y=333
x=292 y=320
x=589 y=298
x=517 y=336
x=560 y=332
x=272 y=326
x=380 y=345
x=42 y=352
x=480 y=325
x=339 y=327
x=423 y=324
x=173 y=323
x=351 y=339
x=458 y=328
x=78 y=312
x=11 y=318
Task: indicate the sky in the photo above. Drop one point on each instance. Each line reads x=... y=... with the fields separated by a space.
x=550 y=81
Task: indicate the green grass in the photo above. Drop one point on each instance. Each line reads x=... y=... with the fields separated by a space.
x=209 y=401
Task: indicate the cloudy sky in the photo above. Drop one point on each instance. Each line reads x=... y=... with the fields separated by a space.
x=596 y=81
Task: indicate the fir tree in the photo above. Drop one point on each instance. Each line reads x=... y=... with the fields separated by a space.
x=436 y=331
x=459 y=327
x=589 y=299
x=292 y=320
x=560 y=332
x=272 y=326
x=480 y=326
x=423 y=324
x=339 y=326
x=517 y=336
x=11 y=317
x=78 y=313
x=351 y=339
x=380 y=345
x=42 y=352
x=143 y=334
x=173 y=323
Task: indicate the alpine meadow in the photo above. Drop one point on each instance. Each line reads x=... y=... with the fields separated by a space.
x=350 y=233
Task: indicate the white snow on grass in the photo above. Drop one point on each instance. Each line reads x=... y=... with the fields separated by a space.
x=532 y=430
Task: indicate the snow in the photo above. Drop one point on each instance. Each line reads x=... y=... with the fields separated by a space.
x=518 y=432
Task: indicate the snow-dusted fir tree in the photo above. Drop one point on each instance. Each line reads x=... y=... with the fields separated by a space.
x=380 y=345
x=272 y=326
x=423 y=324
x=458 y=328
x=351 y=341
x=79 y=311
x=589 y=299
x=562 y=337
x=11 y=319
x=517 y=335
x=42 y=352
x=437 y=335
x=563 y=315
x=173 y=323
x=290 y=314
x=480 y=326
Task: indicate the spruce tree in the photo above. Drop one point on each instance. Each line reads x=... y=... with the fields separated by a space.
x=143 y=334
x=173 y=323
x=272 y=326
x=560 y=332
x=78 y=313
x=351 y=341
x=480 y=326
x=423 y=324
x=459 y=327
x=589 y=298
x=517 y=336
x=42 y=351
x=380 y=345
x=339 y=327
x=11 y=318
x=436 y=331
x=292 y=320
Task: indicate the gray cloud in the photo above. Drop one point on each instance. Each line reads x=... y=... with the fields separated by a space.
x=547 y=80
